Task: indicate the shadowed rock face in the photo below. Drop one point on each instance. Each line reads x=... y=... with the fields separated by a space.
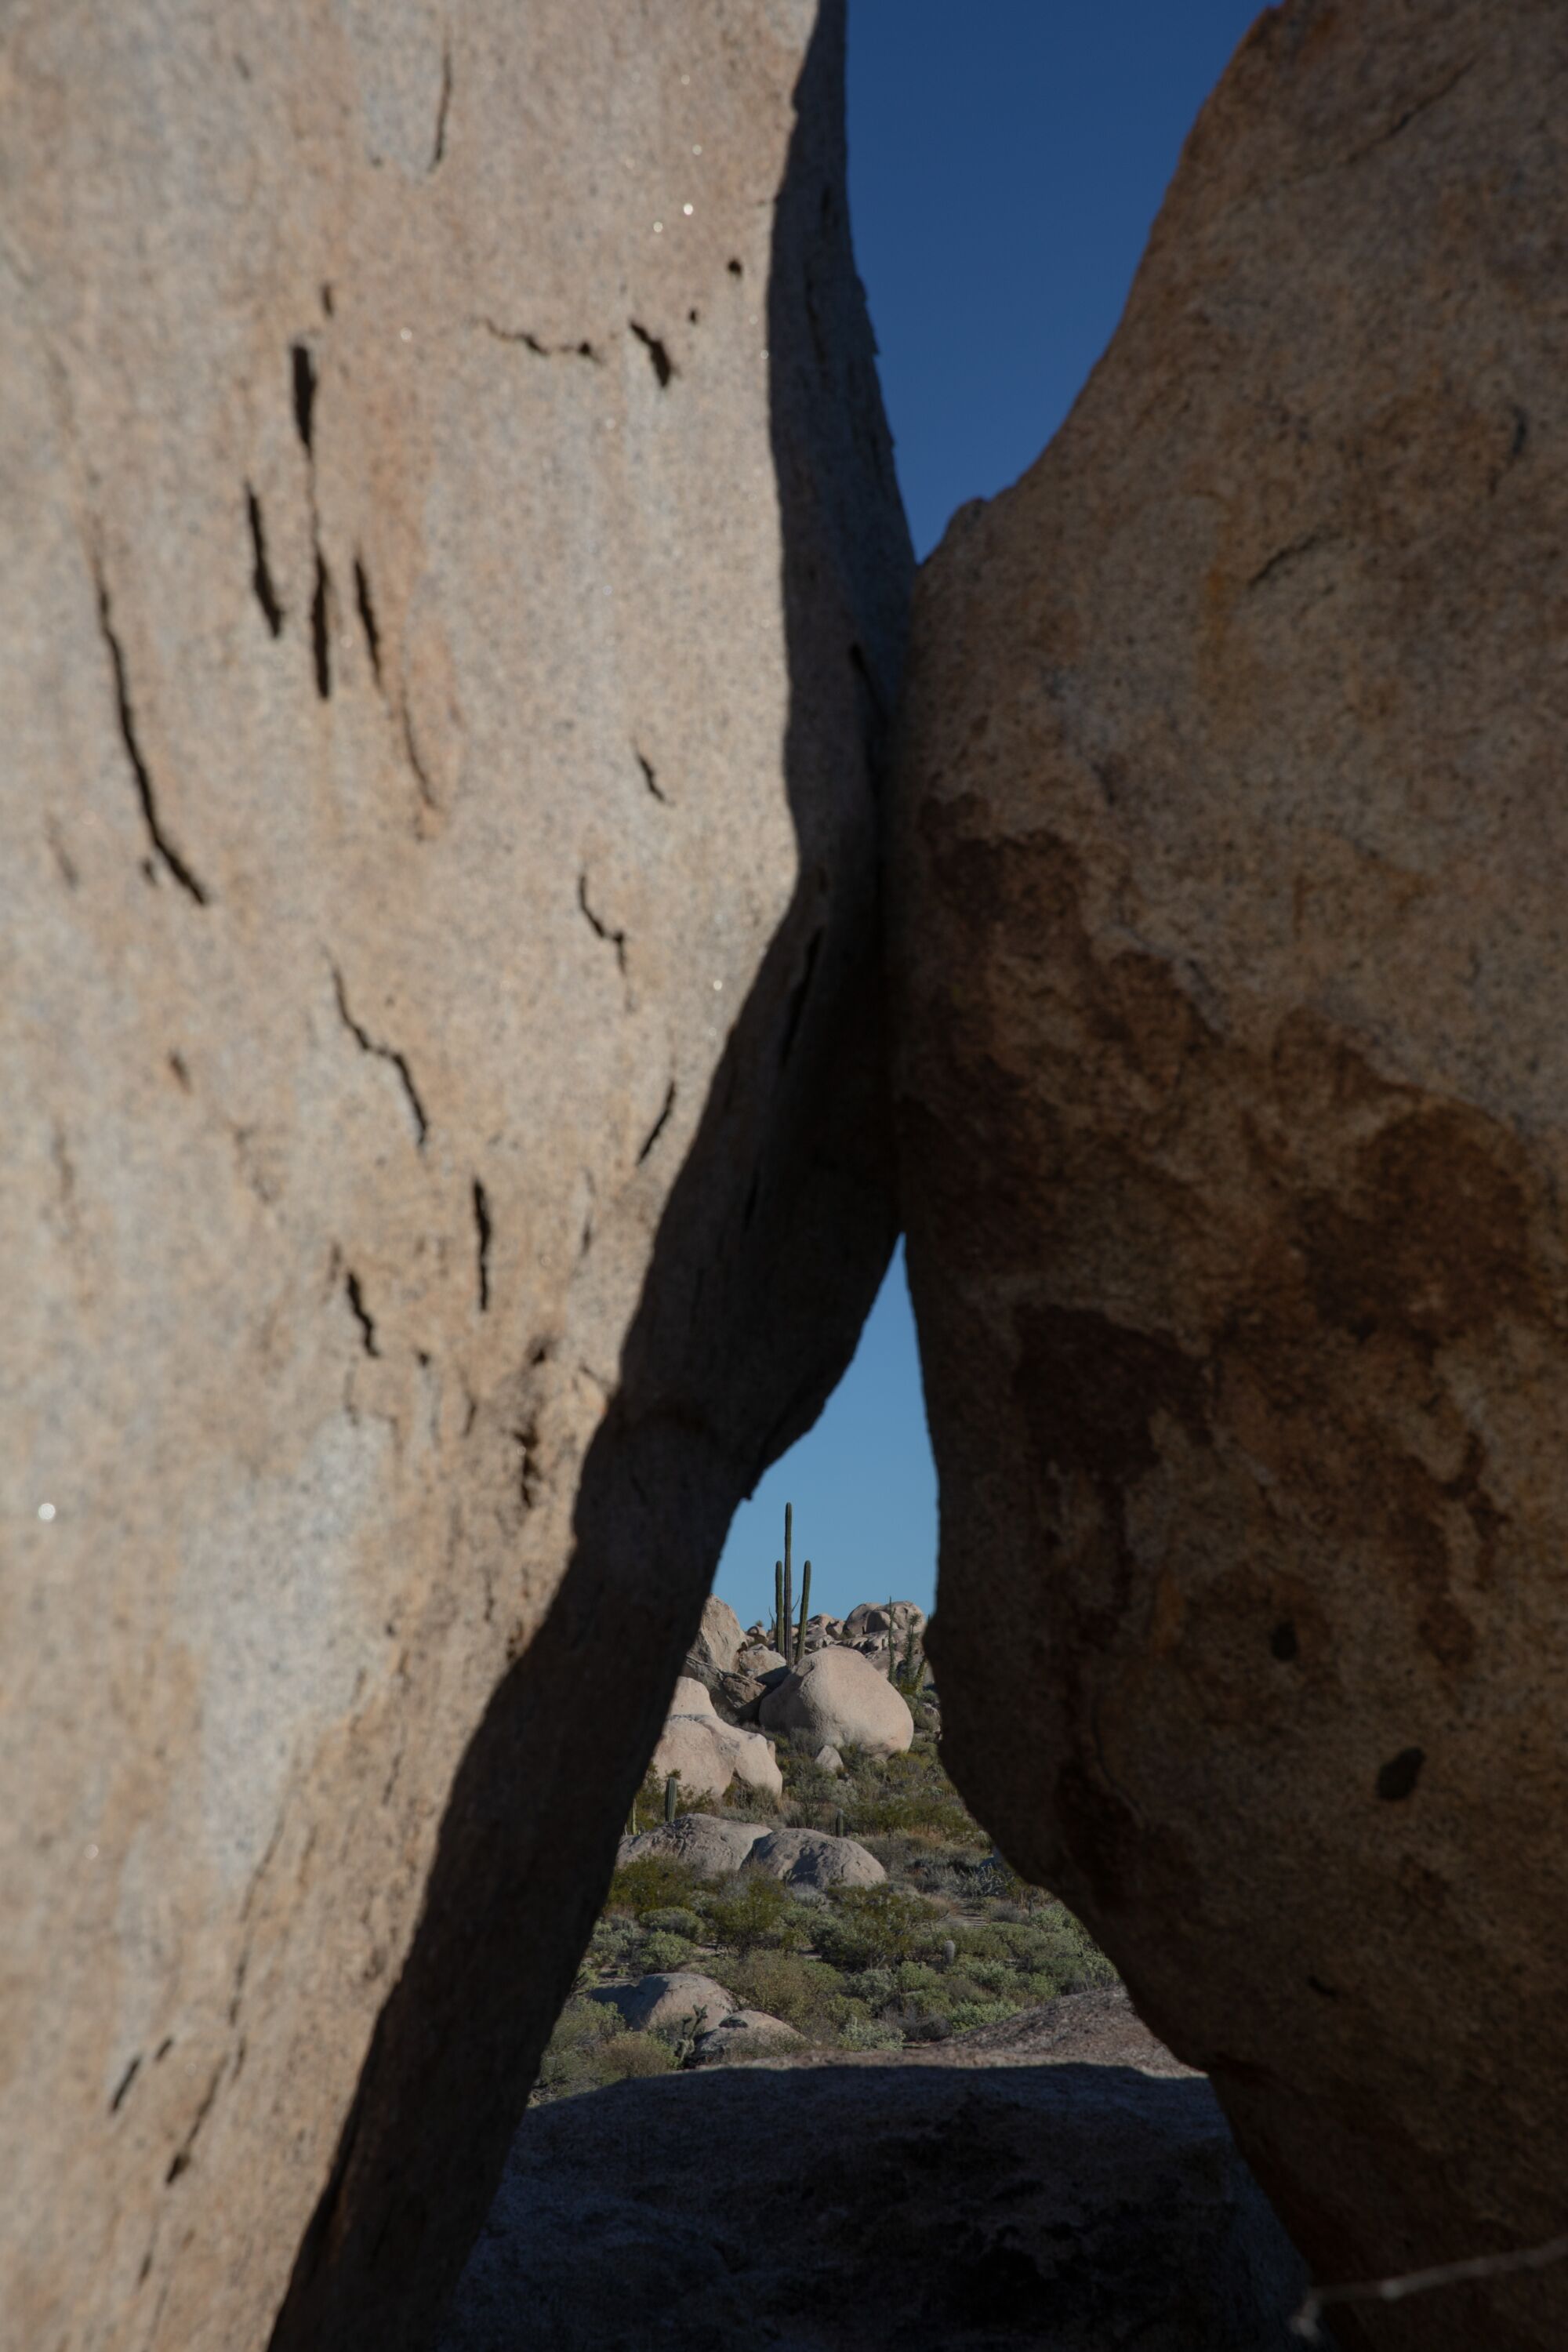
x=1234 y=1000
x=452 y=581
x=1061 y=2207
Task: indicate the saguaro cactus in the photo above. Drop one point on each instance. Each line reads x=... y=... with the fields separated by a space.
x=671 y=1789
x=785 y=1644
x=804 y=1613
x=778 y=1607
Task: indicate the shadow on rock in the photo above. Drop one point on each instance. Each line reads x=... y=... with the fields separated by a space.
x=767 y=1261
x=1069 y=2208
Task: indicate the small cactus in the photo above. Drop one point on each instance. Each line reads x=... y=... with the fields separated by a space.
x=671 y=1791
x=838 y=1821
x=949 y=1953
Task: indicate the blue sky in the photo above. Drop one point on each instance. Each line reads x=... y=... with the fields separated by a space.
x=1006 y=157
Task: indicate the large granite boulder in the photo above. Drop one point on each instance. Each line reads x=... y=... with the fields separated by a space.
x=1060 y=2207
x=1233 y=988
x=718 y=1638
x=711 y=1847
x=452 y=578
x=837 y=1698
x=676 y=1997
x=743 y=2038
x=707 y=1753
x=811 y=1858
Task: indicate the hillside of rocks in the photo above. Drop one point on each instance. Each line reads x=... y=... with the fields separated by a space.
x=1233 y=1057
x=455 y=586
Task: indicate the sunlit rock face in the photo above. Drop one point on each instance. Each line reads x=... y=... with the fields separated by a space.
x=1232 y=988
x=453 y=583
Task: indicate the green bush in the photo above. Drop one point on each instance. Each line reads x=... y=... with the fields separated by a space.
x=654 y=1882
x=870 y=2033
x=875 y=1926
x=807 y=1994
x=965 y=2015
x=662 y=1953
x=571 y=2062
x=756 y=1912
x=678 y=1920
x=624 y=2055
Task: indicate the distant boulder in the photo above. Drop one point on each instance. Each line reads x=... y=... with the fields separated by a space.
x=670 y=1999
x=745 y=2034
x=838 y=1697
x=719 y=1638
x=707 y=1754
x=758 y=1658
x=811 y=1858
x=870 y=1618
x=711 y=1847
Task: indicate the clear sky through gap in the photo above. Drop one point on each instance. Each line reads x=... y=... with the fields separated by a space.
x=1007 y=160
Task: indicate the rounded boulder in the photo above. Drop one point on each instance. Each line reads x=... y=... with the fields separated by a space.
x=707 y=1754
x=711 y=1847
x=811 y=1858
x=841 y=1701
x=671 y=1999
x=745 y=2034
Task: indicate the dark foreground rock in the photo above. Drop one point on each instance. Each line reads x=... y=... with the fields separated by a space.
x=1232 y=985
x=1068 y=2208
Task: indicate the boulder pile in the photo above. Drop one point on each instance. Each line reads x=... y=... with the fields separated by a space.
x=737 y=1694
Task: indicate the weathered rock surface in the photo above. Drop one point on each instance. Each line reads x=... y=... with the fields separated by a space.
x=742 y=2038
x=1234 y=997
x=839 y=1698
x=811 y=1858
x=1065 y=2208
x=436 y=1033
x=871 y=1618
x=718 y=1637
x=708 y=1753
x=668 y=1998
x=703 y=1842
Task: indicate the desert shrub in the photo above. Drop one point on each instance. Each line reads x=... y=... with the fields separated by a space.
x=807 y=1993
x=874 y=1926
x=922 y=1813
x=859 y=2032
x=625 y=2054
x=661 y=1953
x=755 y=1912
x=615 y=1949
x=654 y=1882
x=1054 y=1951
x=965 y=2015
x=571 y=2061
x=991 y=1975
x=678 y=1920
x=916 y=1976
x=741 y=1803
